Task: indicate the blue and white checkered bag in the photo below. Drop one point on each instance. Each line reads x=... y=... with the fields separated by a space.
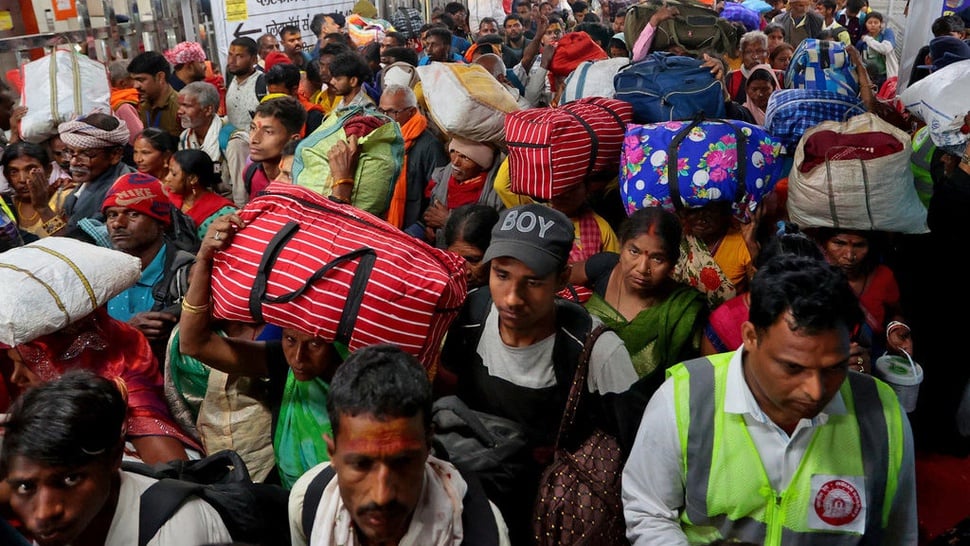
x=823 y=65
x=791 y=112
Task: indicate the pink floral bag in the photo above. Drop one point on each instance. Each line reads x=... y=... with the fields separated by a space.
x=705 y=154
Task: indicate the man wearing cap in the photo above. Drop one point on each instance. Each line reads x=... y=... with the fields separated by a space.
x=467 y=179
x=188 y=64
x=157 y=102
x=137 y=213
x=94 y=144
x=514 y=347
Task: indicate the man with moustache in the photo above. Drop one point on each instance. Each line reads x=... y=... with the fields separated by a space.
x=198 y=105
x=95 y=146
x=389 y=489
x=137 y=214
x=247 y=86
x=157 y=100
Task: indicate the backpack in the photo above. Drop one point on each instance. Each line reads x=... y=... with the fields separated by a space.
x=666 y=87
x=255 y=513
x=822 y=65
x=574 y=324
x=697 y=29
x=169 y=292
x=477 y=517
x=407 y=21
x=183 y=233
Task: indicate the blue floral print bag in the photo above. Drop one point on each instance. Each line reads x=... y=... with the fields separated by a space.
x=705 y=153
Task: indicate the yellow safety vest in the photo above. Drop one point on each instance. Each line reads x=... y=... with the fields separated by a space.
x=840 y=494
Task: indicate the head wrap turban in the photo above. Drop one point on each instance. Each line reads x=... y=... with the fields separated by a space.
x=83 y=135
x=480 y=153
x=185 y=52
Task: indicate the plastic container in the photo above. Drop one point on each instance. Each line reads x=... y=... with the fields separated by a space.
x=903 y=375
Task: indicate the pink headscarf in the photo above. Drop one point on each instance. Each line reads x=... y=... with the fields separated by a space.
x=758 y=113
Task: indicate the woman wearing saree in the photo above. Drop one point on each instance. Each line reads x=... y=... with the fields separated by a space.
x=659 y=319
x=116 y=351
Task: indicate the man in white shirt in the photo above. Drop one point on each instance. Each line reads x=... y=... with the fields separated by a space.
x=778 y=442
x=61 y=460
x=247 y=84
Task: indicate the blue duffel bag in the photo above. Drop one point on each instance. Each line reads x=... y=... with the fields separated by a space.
x=791 y=112
x=666 y=87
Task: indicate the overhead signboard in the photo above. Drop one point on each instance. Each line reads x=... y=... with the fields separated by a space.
x=253 y=18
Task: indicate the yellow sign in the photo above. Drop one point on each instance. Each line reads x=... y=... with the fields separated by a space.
x=6 y=21
x=236 y=10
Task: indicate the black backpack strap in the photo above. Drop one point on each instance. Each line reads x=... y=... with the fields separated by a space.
x=159 y=503
x=248 y=176
x=477 y=517
x=261 y=90
x=176 y=268
x=313 y=496
x=467 y=328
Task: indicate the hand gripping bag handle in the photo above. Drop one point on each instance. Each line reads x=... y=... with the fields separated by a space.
x=673 y=183
x=257 y=297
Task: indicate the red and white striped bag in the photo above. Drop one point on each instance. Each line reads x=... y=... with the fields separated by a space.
x=337 y=272
x=553 y=149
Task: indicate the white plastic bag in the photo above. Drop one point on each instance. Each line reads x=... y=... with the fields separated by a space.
x=59 y=87
x=50 y=283
x=466 y=100
x=875 y=194
x=941 y=100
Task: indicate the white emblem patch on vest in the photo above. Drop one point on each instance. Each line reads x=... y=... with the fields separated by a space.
x=838 y=504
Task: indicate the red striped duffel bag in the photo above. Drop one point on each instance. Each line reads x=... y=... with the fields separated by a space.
x=553 y=149
x=338 y=273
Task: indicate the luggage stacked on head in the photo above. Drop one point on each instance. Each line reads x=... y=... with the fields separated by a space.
x=408 y=21
x=60 y=87
x=56 y=281
x=553 y=149
x=336 y=272
x=823 y=86
x=466 y=100
x=666 y=87
x=704 y=153
x=592 y=79
x=855 y=175
x=697 y=28
x=381 y=156
x=572 y=50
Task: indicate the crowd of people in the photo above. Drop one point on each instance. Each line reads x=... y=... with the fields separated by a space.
x=735 y=371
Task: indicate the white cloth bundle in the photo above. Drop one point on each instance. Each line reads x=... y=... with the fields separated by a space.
x=50 y=283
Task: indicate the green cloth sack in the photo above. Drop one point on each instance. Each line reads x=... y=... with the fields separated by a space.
x=378 y=166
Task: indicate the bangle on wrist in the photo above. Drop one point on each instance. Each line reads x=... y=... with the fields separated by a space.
x=342 y=181
x=194 y=309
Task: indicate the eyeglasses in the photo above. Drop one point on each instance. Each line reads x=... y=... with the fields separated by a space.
x=393 y=113
x=82 y=155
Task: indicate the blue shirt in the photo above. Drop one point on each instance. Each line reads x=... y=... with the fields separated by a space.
x=138 y=298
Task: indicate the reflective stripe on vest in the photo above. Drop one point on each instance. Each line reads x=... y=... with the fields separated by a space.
x=919 y=164
x=738 y=502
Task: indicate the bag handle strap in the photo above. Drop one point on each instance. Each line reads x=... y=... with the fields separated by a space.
x=741 y=147
x=159 y=503
x=257 y=297
x=594 y=140
x=579 y=383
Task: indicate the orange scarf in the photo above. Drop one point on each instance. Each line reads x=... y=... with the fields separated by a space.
x=411 y=131
x=121 y=96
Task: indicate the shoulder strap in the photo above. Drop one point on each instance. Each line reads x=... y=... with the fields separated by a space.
x=477 y=518
x=311 y=500
x=159 y=503
x=248 y=176
x=579 y=383
x=573 y=324
x=260 y=85
x=175 y=260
